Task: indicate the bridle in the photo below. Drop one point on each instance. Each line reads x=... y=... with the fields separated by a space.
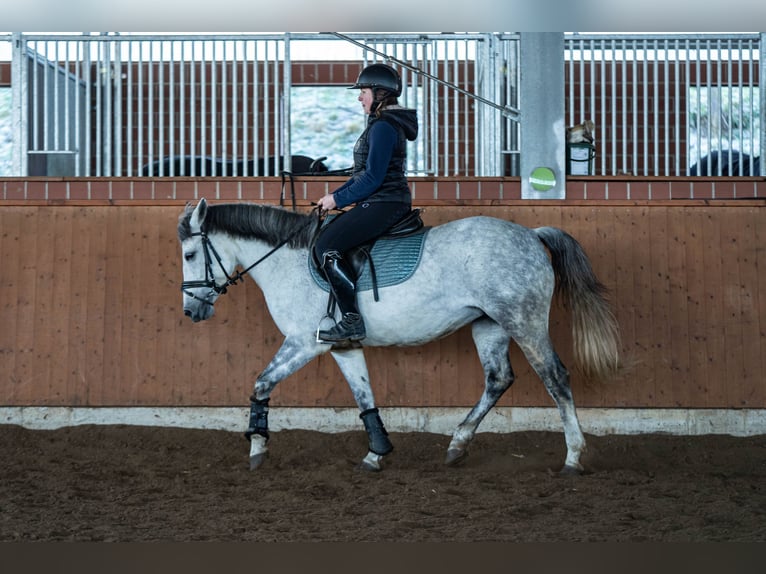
x=208 y=248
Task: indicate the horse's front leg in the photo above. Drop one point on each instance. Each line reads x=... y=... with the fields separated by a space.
x=292 y=355
x=354 y=368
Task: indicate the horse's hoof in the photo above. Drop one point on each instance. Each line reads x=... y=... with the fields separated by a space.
x=455 y=456
x=371 y=462
x=257 y=460
x=571 y=471
x=368 y=466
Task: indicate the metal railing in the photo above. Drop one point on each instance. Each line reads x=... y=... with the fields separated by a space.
x=111 y=105
x=669 y=105
x=114 y=105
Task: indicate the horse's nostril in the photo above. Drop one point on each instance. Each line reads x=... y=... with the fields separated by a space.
x=187 y=312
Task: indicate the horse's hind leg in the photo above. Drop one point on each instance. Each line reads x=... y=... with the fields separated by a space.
x=354 y=368
x=546 y=363
x=492 y=344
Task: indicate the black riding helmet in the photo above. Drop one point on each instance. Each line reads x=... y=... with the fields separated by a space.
x=380 y=76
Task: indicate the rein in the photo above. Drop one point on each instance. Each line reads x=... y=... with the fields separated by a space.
x=238 y=276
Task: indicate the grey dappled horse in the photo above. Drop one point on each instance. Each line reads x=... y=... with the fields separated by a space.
x=492 y=274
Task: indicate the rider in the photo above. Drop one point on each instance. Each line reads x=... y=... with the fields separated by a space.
x=378 y=189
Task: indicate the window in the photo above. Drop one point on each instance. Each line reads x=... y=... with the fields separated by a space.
x=325 y=121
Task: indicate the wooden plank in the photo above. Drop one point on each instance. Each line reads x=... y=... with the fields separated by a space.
x=660 y=344
x=751 y=389
x=115 y=387
x=97 y=230
x=75 y=307
x=625 y=290
x=643 y=284
x=757 y=366
x=697 y=305
x=714 y=309
x=15 y=302
x=677 y=384
x=736 y=311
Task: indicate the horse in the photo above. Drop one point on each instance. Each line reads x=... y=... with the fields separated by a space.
x=497 y=276
x=184 y=165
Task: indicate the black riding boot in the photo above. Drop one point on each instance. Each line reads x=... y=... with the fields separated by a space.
x=351 y=325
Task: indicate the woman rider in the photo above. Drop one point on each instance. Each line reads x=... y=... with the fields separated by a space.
x=377 y=189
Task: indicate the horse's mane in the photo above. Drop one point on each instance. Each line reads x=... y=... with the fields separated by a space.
x=267 y=223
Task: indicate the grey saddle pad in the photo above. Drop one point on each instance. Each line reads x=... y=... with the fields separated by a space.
x=395 y=260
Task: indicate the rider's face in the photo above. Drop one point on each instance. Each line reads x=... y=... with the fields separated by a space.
x=365 y=96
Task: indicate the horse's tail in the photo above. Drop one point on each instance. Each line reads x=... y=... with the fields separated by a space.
x=595 y=331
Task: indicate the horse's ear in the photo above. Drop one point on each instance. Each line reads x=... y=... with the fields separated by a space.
x=198 y=215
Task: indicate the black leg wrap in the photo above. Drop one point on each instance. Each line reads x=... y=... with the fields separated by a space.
x=376 y=432
x=259 y=418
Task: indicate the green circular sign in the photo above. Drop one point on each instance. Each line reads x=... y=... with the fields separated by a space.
x=542 y=179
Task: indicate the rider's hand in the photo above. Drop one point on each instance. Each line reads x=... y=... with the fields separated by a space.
x=327 y=202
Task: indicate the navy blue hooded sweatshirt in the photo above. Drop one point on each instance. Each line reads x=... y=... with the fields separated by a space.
x=380 y=157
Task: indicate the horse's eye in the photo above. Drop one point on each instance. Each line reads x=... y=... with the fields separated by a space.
x=189 y=256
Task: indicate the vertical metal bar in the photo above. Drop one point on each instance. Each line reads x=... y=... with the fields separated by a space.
x=150 y=120
x=106 y=117
x=214 y=103
x=277 y=111
x=99 y=79
x=141 y=152
x=245 y=103
x=88 y=72
x=287 y=103
x=224 y=93
x=751 y=114
x=182 y=107
x=719 y=96
x=571 y=83
x=234 y=108
x=466 y=109
x=613 y=107
x=677 y=108
x=195 y=93
x=700 y=91
x=634 y=167
x=256 y=109
x=266 y=115
x=666 y=139
x=203 y=121
x=77 y=117
x=56 y=103
x=130 y=97
x=36 y=120
x=67 y=104
x=728 y=117
x=161 y=115
x=624 y=97
x=656 y=107
x=592 y=84
x=116 y=88
x=645 y=83
x=602 y=122
x=581 y=81
x=171 y=121
x=435 y=142
x=762 y=97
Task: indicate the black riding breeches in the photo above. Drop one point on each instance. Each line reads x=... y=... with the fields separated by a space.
x=363 y=223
